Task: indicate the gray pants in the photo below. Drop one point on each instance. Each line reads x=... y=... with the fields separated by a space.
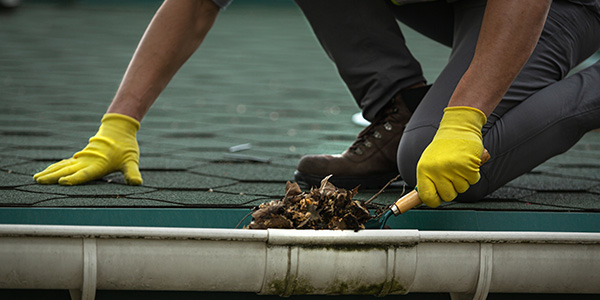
x=543 y=113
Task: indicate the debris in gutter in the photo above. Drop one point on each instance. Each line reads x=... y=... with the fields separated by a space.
x=326 y=207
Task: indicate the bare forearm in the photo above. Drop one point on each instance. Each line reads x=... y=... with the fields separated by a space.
x=509 y=34
x=174 y=34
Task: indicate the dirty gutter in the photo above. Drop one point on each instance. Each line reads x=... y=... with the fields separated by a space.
x=189 y=217
x=469 y=265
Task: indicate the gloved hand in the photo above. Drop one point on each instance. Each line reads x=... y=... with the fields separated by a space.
x=113 y=148
x=450 y=164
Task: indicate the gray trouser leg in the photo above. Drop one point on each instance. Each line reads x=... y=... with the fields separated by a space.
x=543 y=113
x=364 y=41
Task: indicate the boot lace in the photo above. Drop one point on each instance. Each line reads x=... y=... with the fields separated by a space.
x=362 y=139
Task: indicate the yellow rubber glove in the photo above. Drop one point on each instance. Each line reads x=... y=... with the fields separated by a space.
x=113 y=148
x=450 y=164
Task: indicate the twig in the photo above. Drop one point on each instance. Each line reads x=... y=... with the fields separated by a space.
x=382 y=189
x=238 y=225
x=381 y=214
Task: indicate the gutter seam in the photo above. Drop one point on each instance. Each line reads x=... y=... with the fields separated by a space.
x=485 y=271
x=90 y=269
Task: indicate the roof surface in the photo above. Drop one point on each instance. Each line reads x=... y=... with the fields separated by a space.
x=260 y=79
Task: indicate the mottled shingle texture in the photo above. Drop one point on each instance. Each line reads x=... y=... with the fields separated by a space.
x=268 y=86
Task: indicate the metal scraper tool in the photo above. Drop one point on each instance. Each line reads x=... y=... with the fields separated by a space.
x=412 y=199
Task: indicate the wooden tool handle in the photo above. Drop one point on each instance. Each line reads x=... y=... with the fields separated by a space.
x=412 y=199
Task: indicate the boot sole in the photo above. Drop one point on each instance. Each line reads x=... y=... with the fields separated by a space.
x=345 y=182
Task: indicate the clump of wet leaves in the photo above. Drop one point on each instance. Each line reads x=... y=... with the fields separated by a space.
x=326 y=207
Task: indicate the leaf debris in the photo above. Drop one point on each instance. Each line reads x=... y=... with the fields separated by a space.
x=326 y=207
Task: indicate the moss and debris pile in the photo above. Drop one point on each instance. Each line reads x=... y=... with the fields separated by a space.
x=326 y=207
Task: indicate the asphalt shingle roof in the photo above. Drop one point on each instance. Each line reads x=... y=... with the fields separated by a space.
x=252 y=82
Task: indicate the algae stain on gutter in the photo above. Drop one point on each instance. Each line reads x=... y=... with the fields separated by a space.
x=353 y=247
x=397 y=288
x=354 y=288
x=300 y=287
x=358 y=287
x=303 y=286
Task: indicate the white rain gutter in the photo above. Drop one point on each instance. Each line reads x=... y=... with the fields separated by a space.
x=468 y=265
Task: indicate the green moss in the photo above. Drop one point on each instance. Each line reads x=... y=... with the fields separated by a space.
x=276 y=287
x=372 y=289
x=354 y=288
x=338 y=288
x=398 y=288
x=355 y=247
x=302 y=286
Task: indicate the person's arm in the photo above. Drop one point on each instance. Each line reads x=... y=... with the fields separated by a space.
x=509 y=33
x=175 y=32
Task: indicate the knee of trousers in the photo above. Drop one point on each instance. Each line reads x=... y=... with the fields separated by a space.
x=475 y=192
x=412 y=144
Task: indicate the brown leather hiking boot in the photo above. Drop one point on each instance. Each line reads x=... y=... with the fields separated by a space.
x=371 y=160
